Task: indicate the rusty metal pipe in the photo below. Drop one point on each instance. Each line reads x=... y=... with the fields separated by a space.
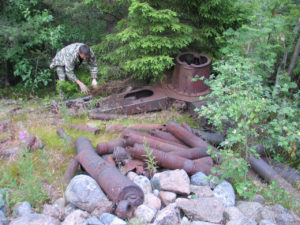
x=165 y=135
x=108 y=147
x=60 y=132
x=268 y=173
x=132 y=137
x=85 y=128
x=129 y=132
x=212 y=138
x=187 y=127
x=172 y=161
x=71 y=170
x=148 y=127
x=290 y=174
x=105 y=116
x=119 y=188
x=191 y=153
x=184 y=135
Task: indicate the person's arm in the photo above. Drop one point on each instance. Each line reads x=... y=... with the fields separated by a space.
x=69 y=67
x=92 y=62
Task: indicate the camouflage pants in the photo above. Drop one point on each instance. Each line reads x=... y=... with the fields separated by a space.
x=60 y=70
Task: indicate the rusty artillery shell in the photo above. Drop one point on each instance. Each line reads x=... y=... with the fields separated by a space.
x=119 y=188
x=108 y=147
x=120 y=154
x=105 y=116
x=191 y=153
x=165 y=135
x=71 y=170
x=85 y=128
x=171 y=161
x=133 y=137
x=187 y=127
x=185 y=136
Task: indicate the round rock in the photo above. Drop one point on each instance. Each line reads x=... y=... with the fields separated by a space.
x=84 y=192
x=225 y=192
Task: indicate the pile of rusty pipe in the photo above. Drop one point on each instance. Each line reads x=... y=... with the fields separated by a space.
x=191 y=153
x=71 y=170
x=108 y=147
x=133 y=137
x=165 y=135
x=171 y=161
x=119 y=188
x=185 y=136
x=105 y=116
x=85 y=128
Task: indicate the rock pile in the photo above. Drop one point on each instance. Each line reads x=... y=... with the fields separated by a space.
x=171 y=198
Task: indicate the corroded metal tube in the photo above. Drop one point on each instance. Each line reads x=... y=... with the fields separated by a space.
x=165 y=135
x=268 y=173
x=148 y=127
x=119 y=188
x=191 y=153
x=60 y=132
x=86 y=128
x=212 y=138
x=105 y=116
x=108 y=147
x=71 y=170
x=172 y=161
x=185 y=136
x=133 y=137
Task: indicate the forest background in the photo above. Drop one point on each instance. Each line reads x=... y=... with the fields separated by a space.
x=254 y=46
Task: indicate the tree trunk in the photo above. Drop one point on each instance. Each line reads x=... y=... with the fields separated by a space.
x=294 y=58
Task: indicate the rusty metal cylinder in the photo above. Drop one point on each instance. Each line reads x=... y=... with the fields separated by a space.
x=191 y=153
x=71 y=170
x=119 y=188
x=188 y=66
x=185 y=136
x=171 y=161
x=105 y=116
x=148 y=127
x=86 y=128
x=165 y=135
x=133 y=137
x=108 y=147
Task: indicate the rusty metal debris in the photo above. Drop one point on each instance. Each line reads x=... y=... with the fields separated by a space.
x=186 y=136
x=192 y=153
x=133 y=137
x=108 y=147
x=86 y=128
x=105 y=116
x=172 y=161
x=71 y=170
x=119 y=188
x=165 y=135
x=136 y=165
x=61 y=132
x=34 y=143
x=120 y=154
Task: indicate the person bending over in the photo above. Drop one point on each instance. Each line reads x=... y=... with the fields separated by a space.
x=72 y=56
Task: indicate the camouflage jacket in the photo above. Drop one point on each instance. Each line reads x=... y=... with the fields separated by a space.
x=68 y=57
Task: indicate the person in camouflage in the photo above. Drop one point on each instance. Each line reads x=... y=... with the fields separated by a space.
x=74 y=55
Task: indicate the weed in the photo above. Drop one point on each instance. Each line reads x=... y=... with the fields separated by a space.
x=150 y=159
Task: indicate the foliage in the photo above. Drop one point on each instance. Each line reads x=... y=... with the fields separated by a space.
x=243 y=103
x=22 y=183
x=234 y=168
x=150 y=159
x=27 y=38
x=145 y=43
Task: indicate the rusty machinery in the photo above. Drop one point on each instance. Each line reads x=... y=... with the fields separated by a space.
x=178 y=87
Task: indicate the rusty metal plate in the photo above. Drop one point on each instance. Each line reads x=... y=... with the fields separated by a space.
x=146 y=99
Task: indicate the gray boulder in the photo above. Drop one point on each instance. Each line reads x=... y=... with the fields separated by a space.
x=110 y=219
x=35 y=219
x=84 y=192
x=168 y=216
x=77 y=217
x=202 y=209
x=199 y=179
x=242 y=221
x=22 y=209
x=203 y=223
x=175 y=181
x=144 y=183
x=250 y=209
x=225 y=192
x=93 y=221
